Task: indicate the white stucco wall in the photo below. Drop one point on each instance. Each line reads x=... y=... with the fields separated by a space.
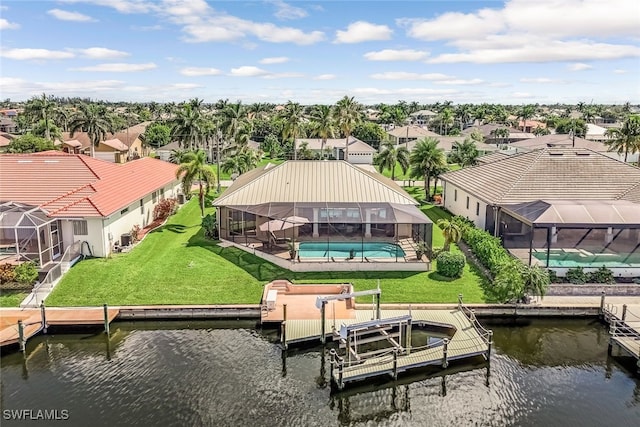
x=457 y=205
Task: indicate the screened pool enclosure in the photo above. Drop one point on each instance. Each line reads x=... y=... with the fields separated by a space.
x=330 y=232
x=567 y=234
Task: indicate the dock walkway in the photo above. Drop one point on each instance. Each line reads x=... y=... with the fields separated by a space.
x=624 y=328
x=34 y=320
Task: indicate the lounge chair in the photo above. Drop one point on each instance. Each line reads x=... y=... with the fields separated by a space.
x=275 y=240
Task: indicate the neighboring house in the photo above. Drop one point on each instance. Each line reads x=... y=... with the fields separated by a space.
x=446 y=143
x=325 y=207
x=117 y=148
x=493 y=157
x=531 y=125
x=487 y=129
x=564 y=140
x=8 y=125
x=164 y=152
x=404 y=134
x=555 y=207
x=11 y=112
x=422 y=117
x=359 y=152
x=5 y=140
x=72 y=199
x=72 y=146
x=595 y=133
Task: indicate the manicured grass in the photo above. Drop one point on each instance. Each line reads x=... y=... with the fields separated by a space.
x=12 y=298
x=177 y=265
x=225 y=176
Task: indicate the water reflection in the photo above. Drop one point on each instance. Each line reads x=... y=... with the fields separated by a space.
x=206 y=373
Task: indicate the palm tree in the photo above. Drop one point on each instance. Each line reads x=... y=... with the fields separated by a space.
x=626 y=139
x=177 y=155
x=446 y=119
x=536 y=279
x=42 y=108
x=347 y=114
x=292 y=114
x=187 y=127
x=500 y=134
x=451 y=232
x=427 y=161
x=390 y=156
x=232 y=117
x=465 y=153
x=241 y=162
x=323 y=125
x=195 y=168
x=526 y=112
x=94 y=120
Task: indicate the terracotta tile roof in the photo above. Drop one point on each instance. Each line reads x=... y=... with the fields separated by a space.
x=549 y=174
x=75 y=185
x=127 y=136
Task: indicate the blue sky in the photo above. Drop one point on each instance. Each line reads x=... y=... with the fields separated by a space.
x=515 y=52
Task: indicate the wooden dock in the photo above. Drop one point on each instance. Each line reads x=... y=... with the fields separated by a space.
x=34 y=320
x=624 y=328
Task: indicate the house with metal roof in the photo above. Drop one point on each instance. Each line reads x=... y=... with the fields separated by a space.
x=319 y=215
x=555 y=207
x=53 y=202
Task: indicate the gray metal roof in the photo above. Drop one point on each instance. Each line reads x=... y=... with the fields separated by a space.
x=312 y=181
x=549 y=174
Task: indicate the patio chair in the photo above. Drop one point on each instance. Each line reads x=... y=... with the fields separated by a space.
x=278 y=240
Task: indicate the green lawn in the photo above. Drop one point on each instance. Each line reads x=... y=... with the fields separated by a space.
x=177 y=265
x=12 y=298
x=225 y=176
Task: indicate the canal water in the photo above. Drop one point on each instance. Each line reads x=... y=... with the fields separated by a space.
x=542 y=373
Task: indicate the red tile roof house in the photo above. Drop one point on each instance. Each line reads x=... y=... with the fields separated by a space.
x=53 y=201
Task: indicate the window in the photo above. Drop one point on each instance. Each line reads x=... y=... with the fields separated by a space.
x=142 y=206
x=80 y=228
x=162 y=193
x=477 y=208
x=455 y=195
x=467 y=202
x=154 y=197
x=124 y=211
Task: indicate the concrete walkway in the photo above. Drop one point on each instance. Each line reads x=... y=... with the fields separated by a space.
x=584 y=301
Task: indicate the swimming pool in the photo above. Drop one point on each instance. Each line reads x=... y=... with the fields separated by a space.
x=582 y=258
x=344 y=250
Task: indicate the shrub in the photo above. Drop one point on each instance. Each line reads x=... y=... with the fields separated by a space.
x=164 y=209
x=601 y=275
x=554 y=278
x=450 y=264
x=7 y=273
x=508 y=284
x=210 y=227
x=576 y=276
x=135 y=233
x=26 y=273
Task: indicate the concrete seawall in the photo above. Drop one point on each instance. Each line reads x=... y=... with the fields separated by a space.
x=177 y=312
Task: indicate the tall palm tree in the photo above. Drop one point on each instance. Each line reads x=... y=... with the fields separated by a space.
x=347 y=115
x=42 y=108
x=94 y=120
x=187 y=127
x=390 y=156
x=322 y=124
x=451 y=232
x=232 y=117
x=177 y=155
x=195 y=168
x=427 y=161
x=626 y=139
x=292 y=114
x=525 y=113
x=465 y=153
x=446 y=120
x=241 y=162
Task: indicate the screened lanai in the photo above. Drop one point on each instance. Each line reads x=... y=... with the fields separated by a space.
x=332 y=231
x=27 y=233
x=568 y=234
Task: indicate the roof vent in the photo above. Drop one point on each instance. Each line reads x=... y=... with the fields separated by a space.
x=25 y=161
x=582 y=153
x=556 y=153
x=51 y=161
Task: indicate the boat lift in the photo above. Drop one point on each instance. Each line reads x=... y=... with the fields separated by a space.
x=321 y=303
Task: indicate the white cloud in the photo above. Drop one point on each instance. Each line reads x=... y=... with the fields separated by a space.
x=157 y=27
x=402 y=91
x=274 y=60
x=325 y=77
x=6 y=25
x=290 y=75
x=540 y=31
x=102 y=53
x=65 y=15
x=396 y=55
x=248 y=71
x=361 y=31
x=26 y=88
x=403 y=75
x=196 y=71
x=35 y=54
x=184 y=86
x=122 y=6
x=522 y=95
x=541 y=80
x=118 y=67
x=286 y=11
x=460 y=82
x=579 y=66
x=620 y=71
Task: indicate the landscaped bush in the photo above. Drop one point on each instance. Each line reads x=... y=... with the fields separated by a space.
x=26 y=273
x=164 y=209
x=210 y=227
x=601 y=275
x=553 y=277
x=487 y=248
x=577 y=276
x=7 y=273
x=135 y=233
x=450 y=264
x=508 y=283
